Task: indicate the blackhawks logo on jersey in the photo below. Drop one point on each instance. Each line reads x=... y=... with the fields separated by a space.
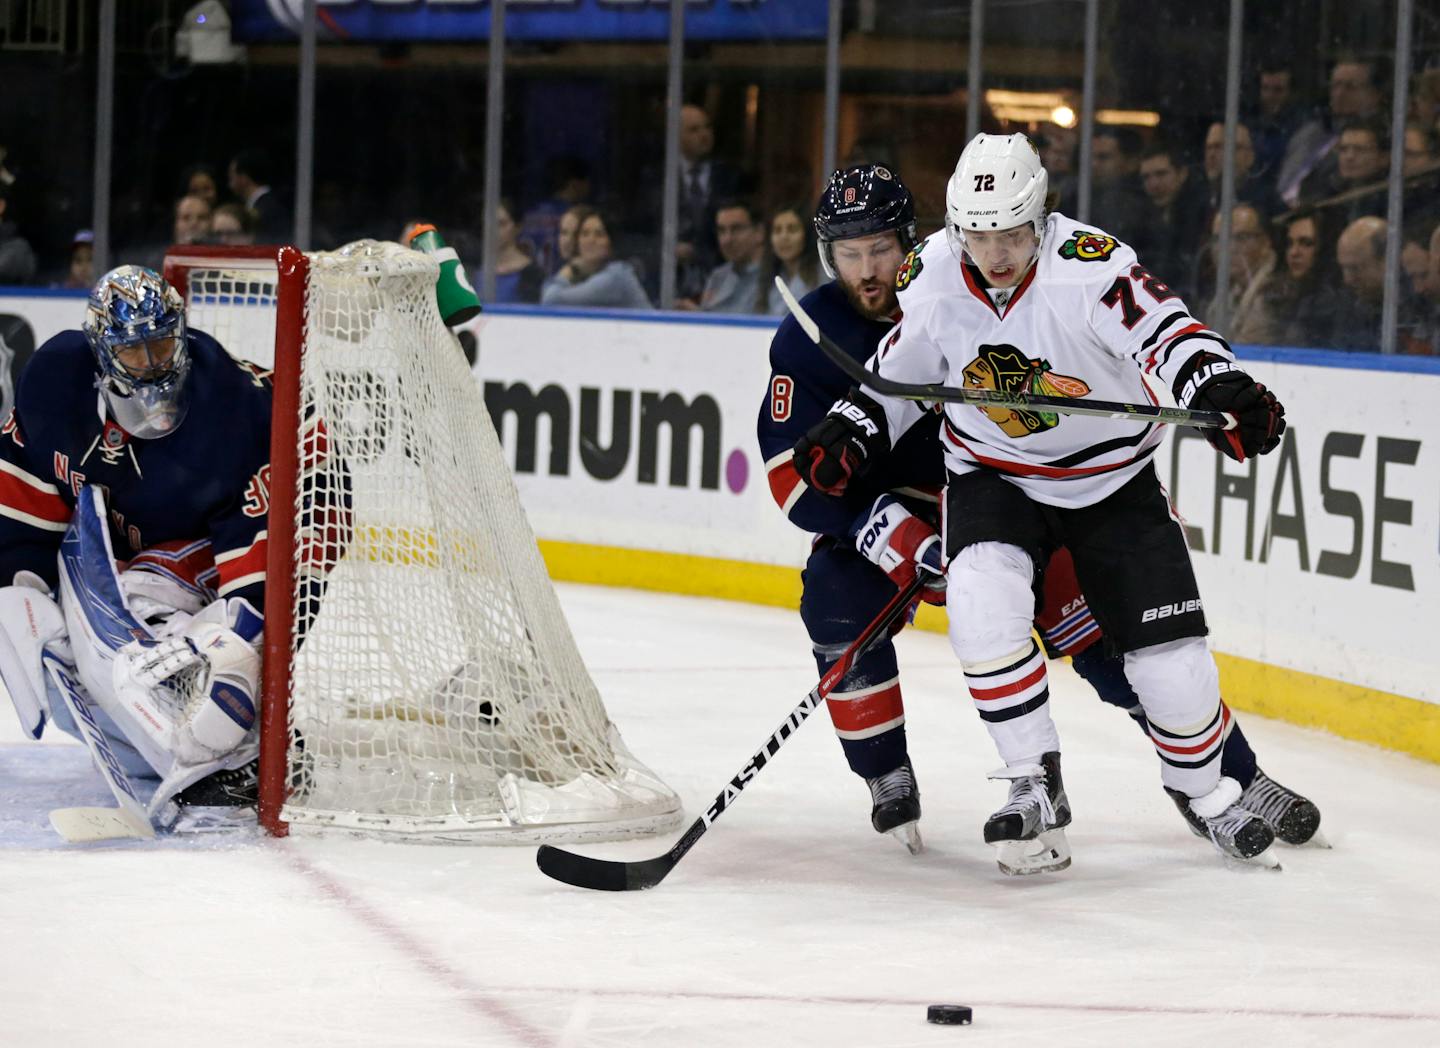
x=1006 y=368
x=1089 y=247
x=910 y=268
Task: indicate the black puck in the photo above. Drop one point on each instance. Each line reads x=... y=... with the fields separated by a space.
x=948 y=1014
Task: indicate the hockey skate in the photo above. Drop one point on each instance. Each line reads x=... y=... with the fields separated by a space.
x=1294 y=819
x=896 y=811
x=231 y=788
x=1219 y=818
x=1029 y=831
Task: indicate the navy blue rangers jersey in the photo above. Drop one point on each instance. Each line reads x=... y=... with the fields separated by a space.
x=803 y=386
x=196 y=499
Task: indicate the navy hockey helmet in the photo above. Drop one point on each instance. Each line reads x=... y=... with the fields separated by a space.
x=860 y=202
x=135 y=324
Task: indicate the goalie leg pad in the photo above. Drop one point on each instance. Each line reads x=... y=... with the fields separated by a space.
x=29 y=623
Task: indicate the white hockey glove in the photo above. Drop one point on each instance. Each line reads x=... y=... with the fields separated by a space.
x=902 y=545
x=205 y=682
x=30 y=623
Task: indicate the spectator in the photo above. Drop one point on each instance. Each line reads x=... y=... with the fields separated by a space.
x=1355 y=320
x=1419 y=149
x=1355 y=94
x=250 y=182
x=1430 y=328
x=732 y=285
x=1056 y=146
x=566 y=234
x=593 y=277
x=1421 y=168
x=200 y=180
x=81 y=270
x=1415 y=258
x=1362 y=157
x=1115 y=192
x=791 y=254
x=17 y=259
x=1255 y=293
x=232 y=224
x=1173 y=225
x=517 y=277
x=192 y=221
x=570 y=187
x=1250 y=188
x=703 y=181
x=1276 y=116
x=1310 y=276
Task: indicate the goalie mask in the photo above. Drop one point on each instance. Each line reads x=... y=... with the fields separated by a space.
x=998 y=184
x=135 y=324
x=860 y=202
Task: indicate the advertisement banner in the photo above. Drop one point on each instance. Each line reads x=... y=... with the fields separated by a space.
x=638 y=433
x=375 y=21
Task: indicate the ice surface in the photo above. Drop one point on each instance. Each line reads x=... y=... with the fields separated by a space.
x=791 y=923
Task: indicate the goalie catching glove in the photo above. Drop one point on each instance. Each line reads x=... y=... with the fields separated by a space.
x=842 y=446
x=1212 y=383
x=213 y=670
x=902 y=545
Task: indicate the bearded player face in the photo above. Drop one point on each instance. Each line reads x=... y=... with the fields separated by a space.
x=865 y=268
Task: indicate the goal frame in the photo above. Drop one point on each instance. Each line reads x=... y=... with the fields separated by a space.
x=292 y=270
x=557 y=797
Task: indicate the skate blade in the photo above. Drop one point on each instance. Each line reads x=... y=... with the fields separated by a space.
x=908 y=834
x=1265 y=859
x=1048 y=852
x=1317 y=840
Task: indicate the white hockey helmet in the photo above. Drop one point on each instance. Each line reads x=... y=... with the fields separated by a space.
x=999 y=183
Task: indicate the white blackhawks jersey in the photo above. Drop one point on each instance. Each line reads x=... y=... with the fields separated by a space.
x=1087 y=320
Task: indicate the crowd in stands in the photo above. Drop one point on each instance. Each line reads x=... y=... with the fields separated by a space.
x=1306 y=257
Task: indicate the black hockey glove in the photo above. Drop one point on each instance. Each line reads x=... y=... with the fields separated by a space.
x=1212 y=383
x=842 y=446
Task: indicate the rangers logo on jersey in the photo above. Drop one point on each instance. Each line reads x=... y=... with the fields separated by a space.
x=1006 y=368
x=1085 y=246
x=910 y=268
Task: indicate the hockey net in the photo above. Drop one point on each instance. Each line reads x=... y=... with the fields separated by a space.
x=420 y=678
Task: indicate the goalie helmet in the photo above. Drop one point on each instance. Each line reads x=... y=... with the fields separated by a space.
x=860 y=202
x=133 y=309
x=999 y=183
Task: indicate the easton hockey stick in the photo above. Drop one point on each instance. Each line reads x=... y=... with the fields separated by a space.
x=613 y=876
x=996 y=398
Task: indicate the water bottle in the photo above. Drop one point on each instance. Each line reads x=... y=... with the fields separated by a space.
x=453 y=291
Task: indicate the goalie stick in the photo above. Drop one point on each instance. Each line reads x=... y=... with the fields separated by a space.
x=995 y=398
x=617 y=876
x=129 y=819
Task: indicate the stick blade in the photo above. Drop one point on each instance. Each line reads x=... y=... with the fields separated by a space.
x=79 y=825
x=603 y=875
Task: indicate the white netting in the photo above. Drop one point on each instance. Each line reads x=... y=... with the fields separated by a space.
x=437 y=690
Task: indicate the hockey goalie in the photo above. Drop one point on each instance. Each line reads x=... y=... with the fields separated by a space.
x=136 y=554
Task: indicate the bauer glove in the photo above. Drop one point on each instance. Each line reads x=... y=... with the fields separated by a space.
x=1211 y=383
x=843 y=446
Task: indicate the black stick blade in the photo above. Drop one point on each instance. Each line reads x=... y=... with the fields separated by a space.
x=602 y=874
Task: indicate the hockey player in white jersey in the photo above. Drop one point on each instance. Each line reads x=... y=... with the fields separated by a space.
x=1012 y=298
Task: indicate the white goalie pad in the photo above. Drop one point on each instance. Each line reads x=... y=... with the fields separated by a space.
x=30 y=622
x=183 y=696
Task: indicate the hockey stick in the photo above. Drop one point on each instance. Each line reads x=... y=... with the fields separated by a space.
x=612 y=876
x=96 y=824
x=995 y=398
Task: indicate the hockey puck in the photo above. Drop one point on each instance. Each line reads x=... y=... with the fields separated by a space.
x=948 y=1014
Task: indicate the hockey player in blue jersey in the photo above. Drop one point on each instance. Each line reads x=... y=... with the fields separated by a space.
x=875 y=532
x=133 y=501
